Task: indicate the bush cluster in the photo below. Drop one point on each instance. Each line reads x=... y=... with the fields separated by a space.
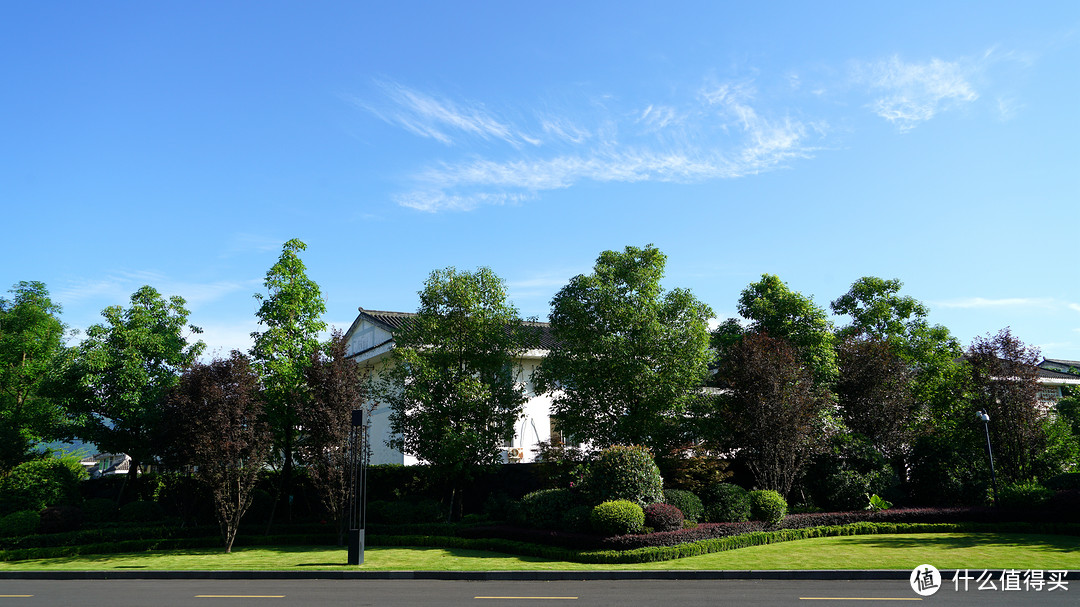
x=726 y=503
x=1024 y=496
x=399 y=512
x=663 y=517
x=767 y=506
x=549 y=509
x=624 y=473
x=40 y=483
x=617 y=517
x=689 y=504
x=141 y=512
x=23 y=522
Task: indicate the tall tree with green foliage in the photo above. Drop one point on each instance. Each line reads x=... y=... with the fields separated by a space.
x=775 y=310
x=879 y=312
x=120 y=374
x=629 y=356
x=31 y=341
x=452 y=387
x=291 y=312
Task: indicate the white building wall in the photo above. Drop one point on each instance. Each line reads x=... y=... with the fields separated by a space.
x=533 y=427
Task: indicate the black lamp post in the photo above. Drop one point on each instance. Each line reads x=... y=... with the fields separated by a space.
x=985 y=419
x=358 y=462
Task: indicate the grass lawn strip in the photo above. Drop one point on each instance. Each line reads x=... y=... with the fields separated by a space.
x=902 y=551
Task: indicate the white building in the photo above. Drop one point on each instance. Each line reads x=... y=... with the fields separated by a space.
x=370 y=340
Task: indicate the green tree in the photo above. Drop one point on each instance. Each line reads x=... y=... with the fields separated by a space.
x=452 y=385
x=121 y=373
x=629 y=357
x=31 y=341
x=291 y=313
x=775 y=310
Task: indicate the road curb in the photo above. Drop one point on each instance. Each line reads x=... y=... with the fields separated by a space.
x=480 y=576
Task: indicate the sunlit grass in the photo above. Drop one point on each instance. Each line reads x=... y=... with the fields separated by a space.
x=943 y=550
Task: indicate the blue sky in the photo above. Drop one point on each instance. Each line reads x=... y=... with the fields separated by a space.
x=180 y=144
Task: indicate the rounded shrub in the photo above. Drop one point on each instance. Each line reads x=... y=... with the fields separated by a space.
x=726 y=503
x=547 y=508
x=141 y=512
x=617 y=517
x=40 y=483
x=24 y=522
x=767 y=506
x=663 y=517
x=624 y=473
x=689 y=504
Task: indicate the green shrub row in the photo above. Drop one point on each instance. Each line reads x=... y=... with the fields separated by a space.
x=665 y=553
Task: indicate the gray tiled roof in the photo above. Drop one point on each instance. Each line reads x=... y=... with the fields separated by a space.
x=392 y=321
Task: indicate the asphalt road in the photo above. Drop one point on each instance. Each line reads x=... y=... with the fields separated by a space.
x=355 y=593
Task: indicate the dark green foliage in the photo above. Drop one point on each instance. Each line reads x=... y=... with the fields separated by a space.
x=624 y=473
x=39 y=483
x=405 y=511
x=497 y=506
x=547 y=508
x=949 y=470
x=1024 y=496
x=663 y=517
x=690 y=470
x=99 y=510
x=23 y=522
x=617 y=517
x=841 y=478
x=726 y=503
x=57 y=519
x=1066 y=480
x=767 y=506
x=141 y=512
x=689 y=504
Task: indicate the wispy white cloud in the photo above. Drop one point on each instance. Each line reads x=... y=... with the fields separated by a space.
x=1015 y=302
x=912 y=93
x=718 y=134
x=1075 y=307
x=116 y=289
x=442 y=119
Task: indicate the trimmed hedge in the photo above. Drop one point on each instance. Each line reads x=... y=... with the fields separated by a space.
x=726 y=503
x=617 y=517
x=767 y=506
x=663 y=517
x=687 y=503
x=624 y=473
x=21 y=523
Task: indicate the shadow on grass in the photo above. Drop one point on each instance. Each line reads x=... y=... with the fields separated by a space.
x=1050 y=543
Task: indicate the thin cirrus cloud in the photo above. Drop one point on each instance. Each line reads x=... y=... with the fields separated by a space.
x=717 y=134
x=909 y=94
x=1007 y=302
x=720 y=131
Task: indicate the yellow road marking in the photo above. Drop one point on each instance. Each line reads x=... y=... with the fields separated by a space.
x=534 y=598
x=239 y=596
x=15 y=596
x=854 y=598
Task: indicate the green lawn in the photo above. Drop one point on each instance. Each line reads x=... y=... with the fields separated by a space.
x=905 y=551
